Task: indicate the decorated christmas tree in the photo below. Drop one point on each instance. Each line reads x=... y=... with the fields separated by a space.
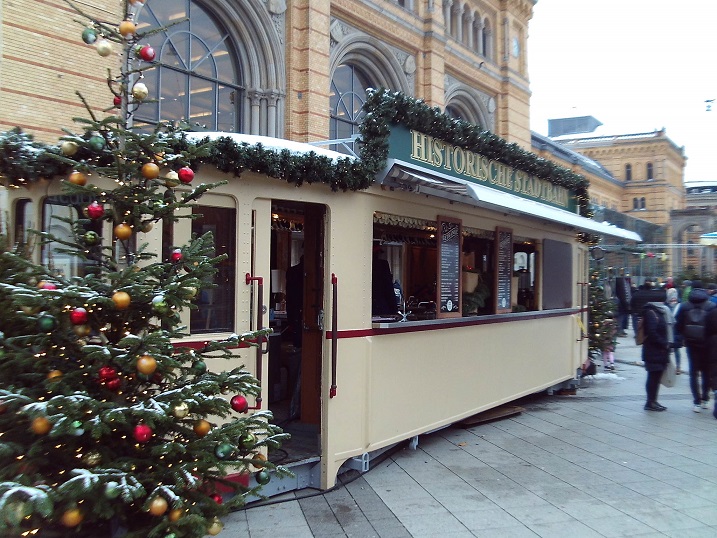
x=601 y=321
x=109 y=425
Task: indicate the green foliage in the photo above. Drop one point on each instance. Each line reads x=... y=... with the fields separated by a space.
x=601 y=315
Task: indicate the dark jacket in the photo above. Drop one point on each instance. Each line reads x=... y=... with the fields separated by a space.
x=696 y=299
x=711 y=330
x=643 y=295
x=656 y=348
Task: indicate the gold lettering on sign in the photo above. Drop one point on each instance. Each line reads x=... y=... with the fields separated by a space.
x=438 y=154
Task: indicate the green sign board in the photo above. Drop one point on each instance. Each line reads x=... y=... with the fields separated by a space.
x=438 y=156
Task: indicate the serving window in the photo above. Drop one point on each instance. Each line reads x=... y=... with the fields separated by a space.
x=495 y=271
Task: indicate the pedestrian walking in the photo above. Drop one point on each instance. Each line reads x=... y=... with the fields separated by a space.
x=692 y=325
x=609 y=341
x=712 y=354
x=673 y=303
x=655 y=352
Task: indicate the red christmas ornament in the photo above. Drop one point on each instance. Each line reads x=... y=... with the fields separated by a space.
x=95 y=210
x=106 y=373
x=146 y=53
x=176 y=255
x=186 y=174
x=217 y=498
x=114 y=384
x=142 y=433
x=239 y=404
x=78 y=316
x=48 y=286
x=117 y=101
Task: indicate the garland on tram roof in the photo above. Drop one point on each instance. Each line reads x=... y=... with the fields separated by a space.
x=24 y=161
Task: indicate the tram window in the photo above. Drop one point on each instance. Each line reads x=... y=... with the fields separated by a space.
x=59 y=215
x=558 y=281
x=216 y=305
x=24 y=213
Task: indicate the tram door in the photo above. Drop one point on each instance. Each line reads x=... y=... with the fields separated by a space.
x=295 y=355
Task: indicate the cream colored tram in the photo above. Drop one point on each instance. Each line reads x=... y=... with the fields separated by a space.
x=488 y=289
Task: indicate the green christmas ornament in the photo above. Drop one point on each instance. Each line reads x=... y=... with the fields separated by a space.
x=159 y=304
x=46 y=323
x=112 y=490
x=91 y=237
x=247 y=440
x=199 y=367
x=97 y=142
x=89 y=35
x=224 y=451
x=262 y=477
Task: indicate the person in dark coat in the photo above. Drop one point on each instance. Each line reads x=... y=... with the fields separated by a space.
x=622 y=296
x=696 y=351
x=711 y=330
x=655 y=356
x=647 y=293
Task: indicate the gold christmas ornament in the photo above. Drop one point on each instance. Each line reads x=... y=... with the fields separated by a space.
x=146 y=365
x=158 y=506
x=69 y=148
x=121 y=299
x=123 y=231
x=41 y=426
x=216 y=527
x=140 y=92
x=72 y=518
x=127 y=28
x=180 y=410
x=175 y=515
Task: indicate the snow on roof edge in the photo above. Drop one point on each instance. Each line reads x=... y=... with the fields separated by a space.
x=277 y=144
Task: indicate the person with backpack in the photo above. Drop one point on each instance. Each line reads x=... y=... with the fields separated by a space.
x=691 y=323
x=657 y=324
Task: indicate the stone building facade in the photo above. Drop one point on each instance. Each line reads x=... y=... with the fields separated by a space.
x=290 y=69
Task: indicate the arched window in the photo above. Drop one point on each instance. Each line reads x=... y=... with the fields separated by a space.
x=635 y=203
x=197 y=79
x=486 y=40
x=628 y=172
x=642 y=203
x=649 y=171
x=348 y=94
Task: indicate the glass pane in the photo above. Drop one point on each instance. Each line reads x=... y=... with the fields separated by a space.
x=216 y=305
x=227 y=115
x=202 y=104
x=174 y=95
x=60 y=207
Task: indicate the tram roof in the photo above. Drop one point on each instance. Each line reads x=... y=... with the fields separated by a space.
x=267 y=142
x=404 y=174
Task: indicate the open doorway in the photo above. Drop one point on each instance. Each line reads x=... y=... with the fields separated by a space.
x=296 y=315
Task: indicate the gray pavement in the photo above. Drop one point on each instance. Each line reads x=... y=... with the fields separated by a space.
x=590 y=464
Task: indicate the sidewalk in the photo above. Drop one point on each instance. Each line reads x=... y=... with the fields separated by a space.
x=591 y=464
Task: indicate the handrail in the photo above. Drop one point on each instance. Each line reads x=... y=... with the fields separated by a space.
x=259 y=326
x=334 y=334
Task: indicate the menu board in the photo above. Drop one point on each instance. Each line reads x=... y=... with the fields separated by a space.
x=449 y=267
x=504 y=269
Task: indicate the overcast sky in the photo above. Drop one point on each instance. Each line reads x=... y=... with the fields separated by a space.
x=635 y=65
